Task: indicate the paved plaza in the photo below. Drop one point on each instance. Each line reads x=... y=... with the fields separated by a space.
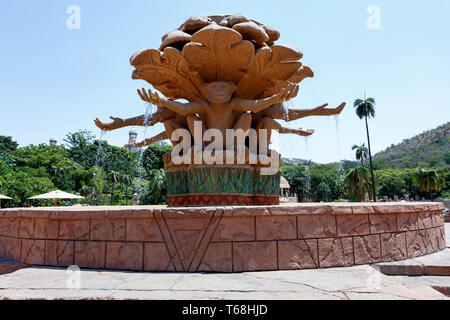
x=357 y=282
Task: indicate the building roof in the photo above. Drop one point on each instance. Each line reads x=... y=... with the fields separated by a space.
x=284 y=184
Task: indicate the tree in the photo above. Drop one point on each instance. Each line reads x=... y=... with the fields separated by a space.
x=127 y=180
x=156 y=188
x=79 y=144
x=357 y=183
x=152 y=157
x=428 y=180
x=297 y=177
x=361 y=152
x=366 y=109
x=85 y=191
x=113 y=177
x=7 y=144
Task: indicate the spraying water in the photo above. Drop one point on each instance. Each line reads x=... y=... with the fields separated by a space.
x=338 y=138
x=148 y=114
x=99 y=158
x=286 y=106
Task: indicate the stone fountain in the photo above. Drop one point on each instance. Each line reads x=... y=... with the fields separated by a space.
x=235 y=80
x=223 y=83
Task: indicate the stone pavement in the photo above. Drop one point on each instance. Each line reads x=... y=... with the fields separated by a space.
x=357 y=282
x=435 y=264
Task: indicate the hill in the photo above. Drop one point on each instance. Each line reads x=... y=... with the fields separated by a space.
x=428 y=149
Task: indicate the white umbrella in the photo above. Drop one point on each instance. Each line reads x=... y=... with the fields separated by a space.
x=57 y=194
x=2 y=197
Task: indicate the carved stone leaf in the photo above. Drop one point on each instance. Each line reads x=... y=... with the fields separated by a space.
x=218 y=54
x=271 y=69
x=167 y=72
x=300 y=74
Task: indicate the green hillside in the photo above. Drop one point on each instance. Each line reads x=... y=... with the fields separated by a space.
x=428 y=149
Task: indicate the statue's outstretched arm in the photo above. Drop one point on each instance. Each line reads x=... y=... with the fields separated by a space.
x=285 y=94
x=278 y=112
x=183 y=109
x=160 y=116
x=160 y=136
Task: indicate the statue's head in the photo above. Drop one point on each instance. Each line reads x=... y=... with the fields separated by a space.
x=219 y=91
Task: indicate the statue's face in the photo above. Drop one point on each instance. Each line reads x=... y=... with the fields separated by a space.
x=219 y=91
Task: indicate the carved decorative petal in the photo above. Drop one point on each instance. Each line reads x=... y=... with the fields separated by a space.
x=272 y=68
x=167 y=72
x=218 y=54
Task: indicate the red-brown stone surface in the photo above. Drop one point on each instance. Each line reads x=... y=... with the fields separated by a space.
x=90 y=254
x=65 y=251
x=407 y=221
x=276 y=228
x=432 y=240
x=32 y=251
x=124 y=255
x=367 y=249
x=415 y=243
x=298 y=254
x=26 y=228
x=336 y=252
x=440 y=233
x=46 y=229
x=143 y=230
x=187 y=235
x=254 y=256
x=11 y=248
x=156 y=257
x=316 y=226
x=424 y=220
x=393 y=246
x=235 y=229
x=9 y=226
x=221 y=239
x=51 y=252
x=352 y=225
x=218 y=258
x=107 y=229
x=381 y=223
x=74 y=229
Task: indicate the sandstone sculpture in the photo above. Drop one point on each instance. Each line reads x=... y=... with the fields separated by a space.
x=233 y=76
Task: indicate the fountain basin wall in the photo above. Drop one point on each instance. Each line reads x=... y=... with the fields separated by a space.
x=223 y=239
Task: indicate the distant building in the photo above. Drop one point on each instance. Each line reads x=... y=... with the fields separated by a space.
x=52 y=141
x=286 y=195
x=131 y=145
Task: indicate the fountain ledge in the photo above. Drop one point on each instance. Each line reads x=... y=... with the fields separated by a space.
x=221 y=239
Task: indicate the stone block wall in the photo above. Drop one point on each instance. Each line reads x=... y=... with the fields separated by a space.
x=222 y=239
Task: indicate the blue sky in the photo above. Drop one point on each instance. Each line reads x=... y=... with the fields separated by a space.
x=54 y=80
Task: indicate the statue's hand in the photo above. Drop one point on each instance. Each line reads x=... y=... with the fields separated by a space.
x=332 y=111
x=150 y=97
x=322 y=107
x=306 y=133
x=117 y=123
x=140 y=144
x=287 y=93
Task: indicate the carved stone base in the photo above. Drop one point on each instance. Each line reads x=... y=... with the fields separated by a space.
x=204 y=185
x=222 y=239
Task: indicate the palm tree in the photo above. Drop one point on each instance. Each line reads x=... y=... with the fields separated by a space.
x=126 y=180
x=85 y=191
x=157 y=182
x=428 y=180
x=361 y=152
x=357 y=182
x=366 y=109
x=113 y=177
